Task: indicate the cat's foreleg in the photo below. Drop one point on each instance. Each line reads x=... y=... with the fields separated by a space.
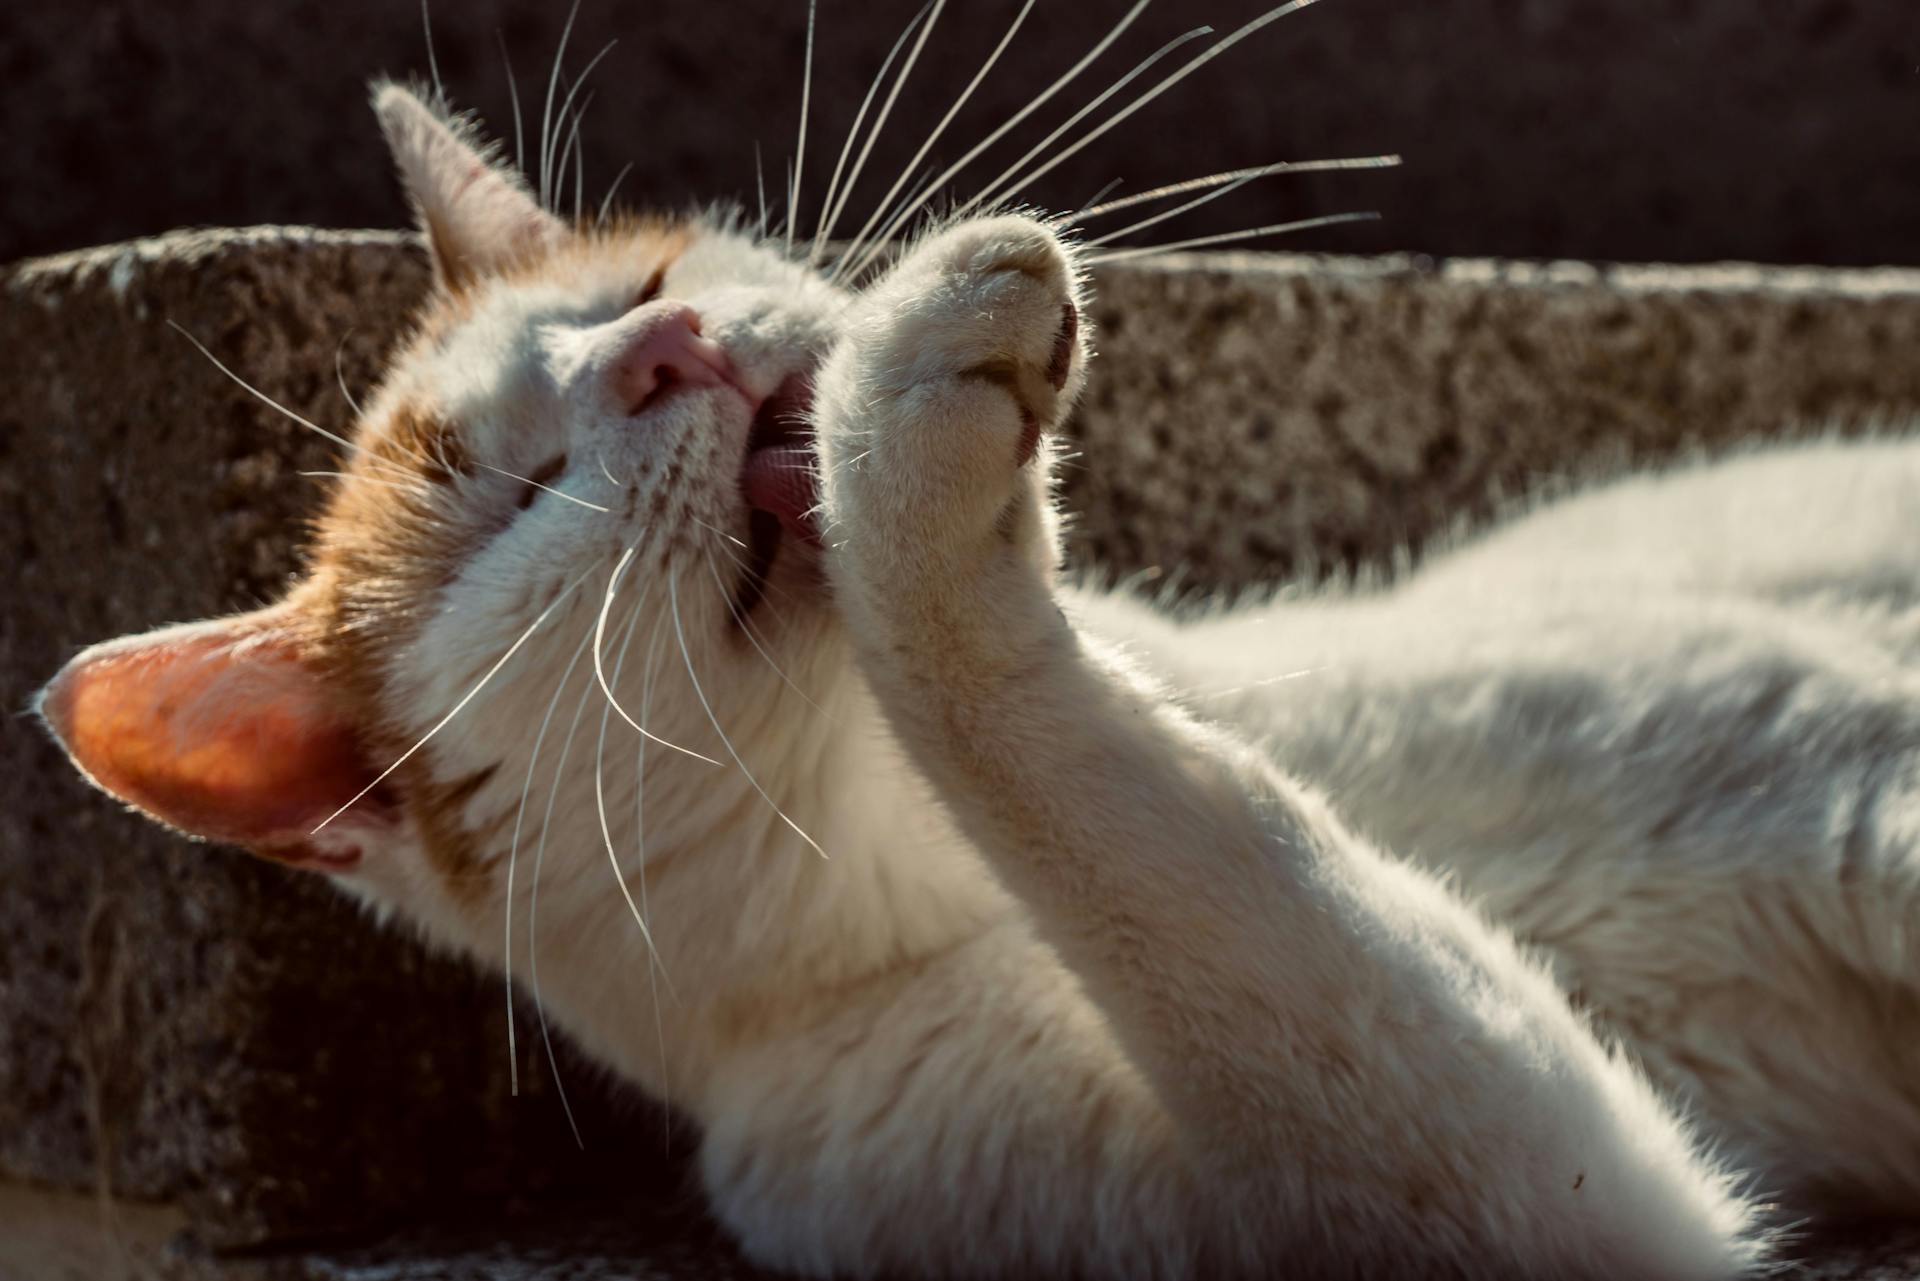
x=1336 y=1033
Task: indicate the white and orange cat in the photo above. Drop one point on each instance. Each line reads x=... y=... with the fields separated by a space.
x=1555 y=923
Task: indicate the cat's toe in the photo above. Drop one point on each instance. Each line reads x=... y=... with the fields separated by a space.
x=966 y=355
x=999 y=244
x=1013 y=282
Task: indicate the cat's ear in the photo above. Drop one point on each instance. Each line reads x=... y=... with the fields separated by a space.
x=224 y=731
x=477 y=214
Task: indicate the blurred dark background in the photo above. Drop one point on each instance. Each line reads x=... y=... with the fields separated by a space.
x=1687 y=130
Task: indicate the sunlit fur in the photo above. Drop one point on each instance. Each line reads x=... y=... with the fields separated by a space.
x=1022 y=928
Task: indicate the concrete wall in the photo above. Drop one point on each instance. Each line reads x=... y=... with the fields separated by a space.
x=193 y=1026
x=184 y=1023
x=1690 y=130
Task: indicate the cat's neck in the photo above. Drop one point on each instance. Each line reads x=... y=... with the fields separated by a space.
x=831 y=869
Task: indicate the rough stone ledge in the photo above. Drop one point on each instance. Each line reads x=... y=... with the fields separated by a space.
x=193 y=1027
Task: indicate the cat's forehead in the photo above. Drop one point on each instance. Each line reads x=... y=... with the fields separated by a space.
x=484 y=343
x=471 y=338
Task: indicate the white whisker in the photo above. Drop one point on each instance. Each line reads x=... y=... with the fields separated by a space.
x=513 y=849
x=546 y=115
x=710 y=529
x=433 y=63
x=340 y=373
x=533 y=912
x=262 y=396
x=513 y=92
x=1192 y=65
x=881 y=208
x=753 y=640
x=686 y=656
x=1167 y=214
x=579 y=160
x=1010 y=178
x=1080 y=211
x=900 y=208
x=640 y=868
x=1233 y=175
x=468 y=697
x=599 y=632
x=606 y=201
x=578 y=84
x=786 y=224
x=926 y=192
x=800 y=148
x=417 y=489
x=760 y=181
x=733 y=559
x=1272 y=229
x=557 y=493
x=1271 y=680
x=569 y=148
x=600 y=792
x=827 y=216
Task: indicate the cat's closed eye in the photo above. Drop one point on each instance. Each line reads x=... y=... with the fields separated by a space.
x=650 y=290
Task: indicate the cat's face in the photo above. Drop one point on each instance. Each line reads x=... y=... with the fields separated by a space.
x=587 y=474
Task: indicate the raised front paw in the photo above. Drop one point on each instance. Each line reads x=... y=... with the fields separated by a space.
x=933 y=408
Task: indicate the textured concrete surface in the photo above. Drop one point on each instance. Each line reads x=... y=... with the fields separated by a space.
x=68 y=1236
x=590 y=1254
x=51 y=1236
x=189 y=1027
x=180 y=1022
x=1688 y=131
x=1254 y=416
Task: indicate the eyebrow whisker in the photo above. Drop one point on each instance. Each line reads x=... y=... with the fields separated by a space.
x=262 y=396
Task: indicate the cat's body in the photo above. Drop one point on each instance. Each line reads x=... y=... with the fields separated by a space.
x=1009 y=928
x=1668 y=732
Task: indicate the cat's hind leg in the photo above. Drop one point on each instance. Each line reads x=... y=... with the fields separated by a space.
x=1351 y=1053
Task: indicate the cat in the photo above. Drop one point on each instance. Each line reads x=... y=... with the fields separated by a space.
x=687 y=639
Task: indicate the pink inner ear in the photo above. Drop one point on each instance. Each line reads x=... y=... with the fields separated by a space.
x=218 y=729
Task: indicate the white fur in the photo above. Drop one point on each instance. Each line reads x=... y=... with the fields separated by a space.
x=1084 y=982
x=1128 y=957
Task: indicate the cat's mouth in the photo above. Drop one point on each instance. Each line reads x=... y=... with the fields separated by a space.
x=779 y=478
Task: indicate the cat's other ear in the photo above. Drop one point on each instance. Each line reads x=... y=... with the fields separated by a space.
x=224 y=731
x=477 y=214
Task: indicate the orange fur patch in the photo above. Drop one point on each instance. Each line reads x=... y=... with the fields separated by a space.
x=381 y=554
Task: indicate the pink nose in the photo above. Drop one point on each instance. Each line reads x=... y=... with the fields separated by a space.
x=661 y=349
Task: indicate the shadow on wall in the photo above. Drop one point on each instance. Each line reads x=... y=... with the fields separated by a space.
x=1690 y=131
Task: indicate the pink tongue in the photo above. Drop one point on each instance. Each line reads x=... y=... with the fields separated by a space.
x=781 y=480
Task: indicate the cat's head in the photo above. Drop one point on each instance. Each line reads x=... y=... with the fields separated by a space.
x=586 y=474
